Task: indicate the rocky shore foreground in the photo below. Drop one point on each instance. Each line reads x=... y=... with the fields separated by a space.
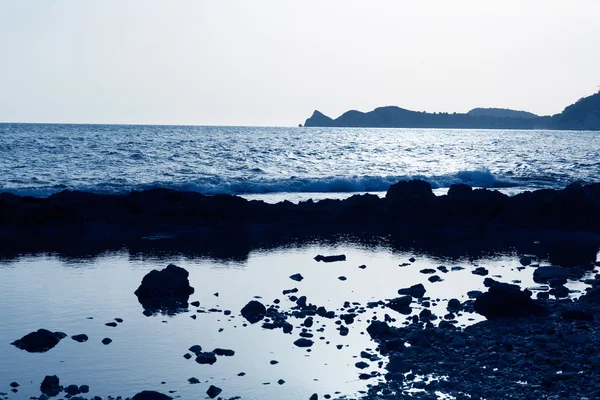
x=409 y=208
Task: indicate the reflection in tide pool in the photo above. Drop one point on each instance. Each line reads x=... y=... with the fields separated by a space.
x=80 y=296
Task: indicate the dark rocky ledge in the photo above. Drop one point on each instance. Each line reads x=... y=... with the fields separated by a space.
x=409 y=209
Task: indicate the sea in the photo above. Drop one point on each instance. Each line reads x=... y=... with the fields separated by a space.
x=78 y=294
x=287 y=163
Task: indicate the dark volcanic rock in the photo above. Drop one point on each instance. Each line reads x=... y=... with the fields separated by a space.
x=40 y=341
x=72 y=390
x=417 y=291
x=50 y=386
x=106 y=341
x=151 y=395
x=505 y=300
x=196 y=349
x=213 y=391
x=480 y=271
x=254 y=311
x=166 y=291
x=80 y=338
x=340 y=257
x=296 y=277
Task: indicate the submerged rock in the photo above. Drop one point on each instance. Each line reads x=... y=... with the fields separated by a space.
x=40 y=341
x=166 y=291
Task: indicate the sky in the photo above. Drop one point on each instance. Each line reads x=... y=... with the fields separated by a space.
x=272 y=62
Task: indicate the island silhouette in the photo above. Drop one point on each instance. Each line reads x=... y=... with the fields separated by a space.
x=582 y=115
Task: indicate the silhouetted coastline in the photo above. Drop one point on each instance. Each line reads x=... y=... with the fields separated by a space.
x=582 y=115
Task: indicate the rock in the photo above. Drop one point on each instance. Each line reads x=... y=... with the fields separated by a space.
x=224 y=352
x=151 y=395
x=303 y=342
x=480 y=271
x=213 y=391
x=453 y=304
x=400 y=304
x=193 y=380
x=427 y=271
x=119 y=320
x=473 y=294
x=543 y=274
x=280 y=382
x=167 y=290
x=525 y=261
x=206 y=358
x=417 y=291
x=506 y=300
x=111 y=324
x=361 y=365
x=273 y=362
x=578 y=315
x=39 y=342
x=409 y=193
x=362 y=266
x=14 y=385
x=196 y=349
x=106 y=341
x=84 y=388
x=50 y=386
x=434 y=279
x=342 y=278
x=314 y=396
x=195 y=303
x=296 y=277
x=254 y=311
x=327 y=259
x=72 y=390
x=459 y=342
x=187 y=356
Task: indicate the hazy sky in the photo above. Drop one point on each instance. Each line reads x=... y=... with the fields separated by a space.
x=272 y=62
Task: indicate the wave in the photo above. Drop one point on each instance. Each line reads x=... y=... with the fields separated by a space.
x=353 y=184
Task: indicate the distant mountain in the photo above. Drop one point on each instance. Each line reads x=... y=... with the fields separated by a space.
x=501 y=113
x=583 y=115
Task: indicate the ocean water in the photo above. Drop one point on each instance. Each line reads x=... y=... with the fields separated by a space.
x=286 y=163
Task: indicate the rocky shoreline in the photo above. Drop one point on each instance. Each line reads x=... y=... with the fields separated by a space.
x=104 y=221
x=529 y=348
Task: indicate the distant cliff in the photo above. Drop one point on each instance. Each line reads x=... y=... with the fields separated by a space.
x=583 y=115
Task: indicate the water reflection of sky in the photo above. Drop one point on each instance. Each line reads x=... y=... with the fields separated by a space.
x=60 y=294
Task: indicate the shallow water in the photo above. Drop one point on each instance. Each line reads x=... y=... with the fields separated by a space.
x=60 y=294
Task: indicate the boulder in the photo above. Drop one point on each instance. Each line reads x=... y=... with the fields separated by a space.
x=39 y=342
x=296 y=277
x=166 y=291
x=417 y=291
x=506 y=300
x=254 y=311
x=303 y=342
x=224 y=352
x=50 y=386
